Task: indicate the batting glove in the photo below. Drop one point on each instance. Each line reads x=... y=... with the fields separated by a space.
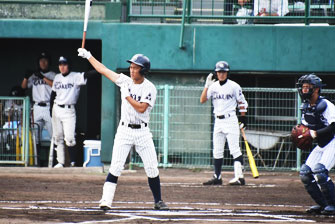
x=82 y=52
x=209 y=80
x=124 y=91
x=39 y=75
x=242 y=121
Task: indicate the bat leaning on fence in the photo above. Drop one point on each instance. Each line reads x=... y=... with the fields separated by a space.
x=252 y=163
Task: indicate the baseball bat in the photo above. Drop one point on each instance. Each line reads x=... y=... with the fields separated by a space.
x=252 y=163
x=88 y=4
x=17 y=137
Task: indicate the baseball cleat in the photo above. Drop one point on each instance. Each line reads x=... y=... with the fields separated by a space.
x=315 y=209
x=105 y=205
x=59 y=165
x=213 y=181
x=161 y=206
x=237 y=181
x=329 y=210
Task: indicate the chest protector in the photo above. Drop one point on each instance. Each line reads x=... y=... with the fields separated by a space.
x=316 y=121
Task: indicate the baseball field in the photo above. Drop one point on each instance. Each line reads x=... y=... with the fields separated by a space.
x=71 y=195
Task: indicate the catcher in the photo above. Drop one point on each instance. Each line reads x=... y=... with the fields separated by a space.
x=318 y=122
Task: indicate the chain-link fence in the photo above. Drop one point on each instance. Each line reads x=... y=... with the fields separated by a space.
x=182 y=128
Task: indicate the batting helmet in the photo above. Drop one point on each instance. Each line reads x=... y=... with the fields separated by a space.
x=312 y=79
x=141 y=60
x=222 y=66
x=17 y=91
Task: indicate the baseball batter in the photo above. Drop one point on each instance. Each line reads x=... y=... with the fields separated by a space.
x=41 y=83
x=64 y=96
x=318 y=114
x=226 y=96
x=138 y=97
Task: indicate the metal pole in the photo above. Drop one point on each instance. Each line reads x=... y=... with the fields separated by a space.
x=298 y=120
x=182 y=25
x=26 y=129
x=307 y=3
x=166 y=126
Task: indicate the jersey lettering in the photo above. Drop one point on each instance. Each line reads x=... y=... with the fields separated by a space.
x=217 y=96
x=59 y=85
x=37 y=82
x=137 y=98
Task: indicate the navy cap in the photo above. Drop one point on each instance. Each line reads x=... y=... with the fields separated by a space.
x=63 y=60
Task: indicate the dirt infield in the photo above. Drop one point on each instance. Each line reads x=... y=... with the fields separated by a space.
x=71 y=195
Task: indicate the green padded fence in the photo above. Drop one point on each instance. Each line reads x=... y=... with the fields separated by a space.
x=182 y=128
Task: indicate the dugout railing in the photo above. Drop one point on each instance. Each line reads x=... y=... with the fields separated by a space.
x=15 y=134
x=182 y=128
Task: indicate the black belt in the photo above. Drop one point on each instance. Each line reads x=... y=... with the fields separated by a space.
x=64 y=106
x=223 y=116
x=134 y=126
x=42 y=104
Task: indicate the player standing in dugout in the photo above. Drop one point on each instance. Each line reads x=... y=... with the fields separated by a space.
x=318 y=114
x=226 y=95
x=138 y=96
x=41 y=82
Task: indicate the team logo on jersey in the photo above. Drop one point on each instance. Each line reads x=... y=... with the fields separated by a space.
x=148 y=97
x=59 y=85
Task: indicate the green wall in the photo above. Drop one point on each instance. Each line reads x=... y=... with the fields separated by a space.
x=246 y=48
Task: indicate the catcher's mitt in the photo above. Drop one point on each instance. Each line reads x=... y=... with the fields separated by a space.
x=301 y=137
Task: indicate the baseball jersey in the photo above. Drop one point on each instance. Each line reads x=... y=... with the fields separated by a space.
x=225 y=98
x=41 y=90
x=145 y=92
x=319 y=116
x=68 y=87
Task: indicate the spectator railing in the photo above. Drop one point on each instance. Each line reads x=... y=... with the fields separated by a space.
x=229 y=11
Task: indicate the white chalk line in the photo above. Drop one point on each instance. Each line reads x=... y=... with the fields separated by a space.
x=200 y=185
x=169 y=215
x=148 y=203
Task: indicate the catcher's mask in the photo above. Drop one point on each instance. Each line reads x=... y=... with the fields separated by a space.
x=312 y=79
x=141 y=60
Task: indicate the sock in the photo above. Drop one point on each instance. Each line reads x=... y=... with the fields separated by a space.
x=111 y=178
x=73 y=153
x=155 y=186
x=239 y=159
x=218 y=167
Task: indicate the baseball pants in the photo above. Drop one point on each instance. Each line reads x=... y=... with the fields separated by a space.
x=141 y=138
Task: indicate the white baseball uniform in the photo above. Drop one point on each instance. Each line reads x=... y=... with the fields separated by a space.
x=326 y=154
x=225 y=99
x=41 y=96
x=140 y=137
x=67 y=90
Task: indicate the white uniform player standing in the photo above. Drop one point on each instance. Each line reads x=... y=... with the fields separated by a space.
x=226 y=96
x=41 y=82
x=138 y=97
x=64 y=96
x=318 y=114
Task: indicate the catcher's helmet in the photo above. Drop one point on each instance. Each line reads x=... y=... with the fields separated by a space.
x=222 y=66
x=312 y=79
x=141 y=60
x=17 y=91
